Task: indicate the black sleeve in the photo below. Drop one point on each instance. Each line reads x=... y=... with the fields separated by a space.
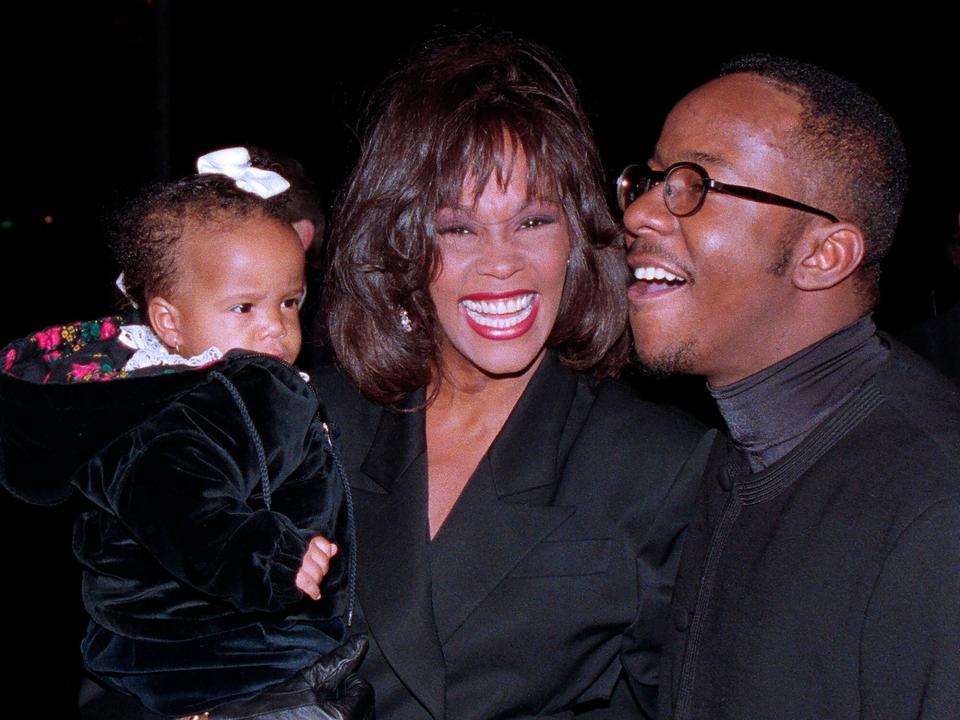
x=910 y=663
x=184 y=492
x=657 y=563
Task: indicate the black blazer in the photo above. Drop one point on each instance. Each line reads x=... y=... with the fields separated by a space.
x=552 y=572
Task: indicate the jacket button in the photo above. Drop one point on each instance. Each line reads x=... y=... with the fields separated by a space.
x=727 y=473
x=681 y=618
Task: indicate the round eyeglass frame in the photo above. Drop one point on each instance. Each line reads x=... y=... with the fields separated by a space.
x=642 y=178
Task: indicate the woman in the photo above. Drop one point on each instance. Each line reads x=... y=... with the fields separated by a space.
x=516 y=515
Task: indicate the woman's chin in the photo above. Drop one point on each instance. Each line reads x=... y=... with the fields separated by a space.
x=493 y=359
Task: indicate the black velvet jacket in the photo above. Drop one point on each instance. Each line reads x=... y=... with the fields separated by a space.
x=204 y=487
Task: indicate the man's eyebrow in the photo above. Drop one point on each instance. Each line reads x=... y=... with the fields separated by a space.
x=699 y=156
x=696 y=156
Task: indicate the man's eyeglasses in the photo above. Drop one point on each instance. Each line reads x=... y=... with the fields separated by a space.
x=685 y=186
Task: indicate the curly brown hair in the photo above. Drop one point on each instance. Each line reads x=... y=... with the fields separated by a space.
x=461 y=109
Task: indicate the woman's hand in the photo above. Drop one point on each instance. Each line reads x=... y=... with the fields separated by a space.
x=316 y=563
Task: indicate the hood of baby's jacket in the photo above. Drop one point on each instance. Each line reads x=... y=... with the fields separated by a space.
x=61 y=402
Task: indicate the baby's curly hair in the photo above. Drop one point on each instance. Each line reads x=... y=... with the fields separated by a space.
x=145 y=234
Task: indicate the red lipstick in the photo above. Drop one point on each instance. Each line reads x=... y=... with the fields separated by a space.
x=501 y=316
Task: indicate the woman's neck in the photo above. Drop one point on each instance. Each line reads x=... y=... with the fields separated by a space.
x=462 y=421
x=460 y=387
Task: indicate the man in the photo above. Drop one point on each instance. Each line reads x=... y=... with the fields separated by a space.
x=820 y=577
x=300 y=204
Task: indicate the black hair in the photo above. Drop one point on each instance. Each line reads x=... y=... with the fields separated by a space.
x=850 y=144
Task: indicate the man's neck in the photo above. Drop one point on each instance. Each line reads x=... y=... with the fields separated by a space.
x=771 y=412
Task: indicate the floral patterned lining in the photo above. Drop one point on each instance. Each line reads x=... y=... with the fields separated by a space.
x=76 y=352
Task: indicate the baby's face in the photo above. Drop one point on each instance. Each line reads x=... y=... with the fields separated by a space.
x=239 y=285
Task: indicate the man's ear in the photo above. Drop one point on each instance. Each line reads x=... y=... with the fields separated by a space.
x=828 y=255
x=305 y=230
x=165 y=320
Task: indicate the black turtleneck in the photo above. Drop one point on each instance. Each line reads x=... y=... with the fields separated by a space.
x=770 y=412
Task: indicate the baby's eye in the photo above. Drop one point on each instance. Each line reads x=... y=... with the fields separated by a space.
x=289 y=303
x=242 y=308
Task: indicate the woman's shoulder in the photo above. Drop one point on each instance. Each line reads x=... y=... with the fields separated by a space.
x=624 y=412
x=334 y=387
x=352 y=418
x=341 y=401
x=643 y=459
x=627 y=437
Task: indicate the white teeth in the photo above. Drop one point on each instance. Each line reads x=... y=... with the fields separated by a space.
x=501 y=306
x=499 y=322
x=485 y=312
x=656 y=273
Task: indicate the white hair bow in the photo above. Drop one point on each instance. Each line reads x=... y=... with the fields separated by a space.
x=235 y=164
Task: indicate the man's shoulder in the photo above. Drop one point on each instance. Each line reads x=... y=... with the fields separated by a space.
x=904 y=455
x=925 y=404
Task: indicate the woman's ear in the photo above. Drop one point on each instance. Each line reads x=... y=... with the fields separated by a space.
x=164 y=318
x=827 y=256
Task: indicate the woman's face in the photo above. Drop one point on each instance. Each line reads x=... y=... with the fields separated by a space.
x=503 y=266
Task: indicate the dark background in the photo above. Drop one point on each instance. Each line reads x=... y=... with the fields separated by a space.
x=101 y=97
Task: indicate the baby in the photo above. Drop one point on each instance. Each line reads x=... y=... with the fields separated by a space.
x=214 y=484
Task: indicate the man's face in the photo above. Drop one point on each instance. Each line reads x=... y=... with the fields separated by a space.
x=731 y=311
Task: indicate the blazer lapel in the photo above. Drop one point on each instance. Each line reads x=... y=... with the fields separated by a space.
x=506 y=507
x=394 y=585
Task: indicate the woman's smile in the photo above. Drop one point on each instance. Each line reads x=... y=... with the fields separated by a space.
x=501 y=316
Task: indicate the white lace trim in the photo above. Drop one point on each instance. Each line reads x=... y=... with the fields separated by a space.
x=151 y=352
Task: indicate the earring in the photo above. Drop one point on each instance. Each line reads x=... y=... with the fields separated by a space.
x=405 y=323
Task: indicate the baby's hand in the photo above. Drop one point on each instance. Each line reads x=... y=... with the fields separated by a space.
x=316 y=563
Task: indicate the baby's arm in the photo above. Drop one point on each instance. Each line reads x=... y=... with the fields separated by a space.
x=185 y=501
x=316 y=562
x=187 y=486
x=183 y=497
